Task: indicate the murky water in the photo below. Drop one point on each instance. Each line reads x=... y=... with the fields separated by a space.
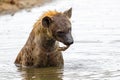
x=95 y=55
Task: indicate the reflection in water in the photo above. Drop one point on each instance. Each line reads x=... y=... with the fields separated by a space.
x=52 y=73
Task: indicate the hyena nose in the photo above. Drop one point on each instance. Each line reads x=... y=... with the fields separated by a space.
x=69 y=39
x=69 y=42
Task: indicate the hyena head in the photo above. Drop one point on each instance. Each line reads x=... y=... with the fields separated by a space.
x=59 y=26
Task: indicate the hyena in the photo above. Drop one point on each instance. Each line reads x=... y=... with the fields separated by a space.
x=42 y=46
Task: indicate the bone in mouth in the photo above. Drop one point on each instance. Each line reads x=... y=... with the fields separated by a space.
x=63 y=48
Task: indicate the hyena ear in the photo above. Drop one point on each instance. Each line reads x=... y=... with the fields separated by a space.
x=68 y=12
x=46 y=21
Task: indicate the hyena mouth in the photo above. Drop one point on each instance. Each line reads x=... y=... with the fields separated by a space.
x=63 y=48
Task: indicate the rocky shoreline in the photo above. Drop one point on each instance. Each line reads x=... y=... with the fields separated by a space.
x=13 y=6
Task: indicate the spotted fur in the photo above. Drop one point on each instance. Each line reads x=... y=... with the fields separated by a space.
x=40 y=49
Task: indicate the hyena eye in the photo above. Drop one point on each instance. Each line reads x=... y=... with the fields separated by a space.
x=60 y=33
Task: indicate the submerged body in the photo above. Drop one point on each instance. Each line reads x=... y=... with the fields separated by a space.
x=41 y=48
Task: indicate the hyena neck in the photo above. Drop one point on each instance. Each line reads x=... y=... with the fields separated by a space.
x=48 y=44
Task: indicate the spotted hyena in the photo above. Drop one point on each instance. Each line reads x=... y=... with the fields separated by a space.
x=42 y=47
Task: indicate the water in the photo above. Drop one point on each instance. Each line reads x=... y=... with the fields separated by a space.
x=95 y=55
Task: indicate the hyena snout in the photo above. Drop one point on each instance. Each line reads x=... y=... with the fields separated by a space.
x=69 y=42
x=68 y=39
